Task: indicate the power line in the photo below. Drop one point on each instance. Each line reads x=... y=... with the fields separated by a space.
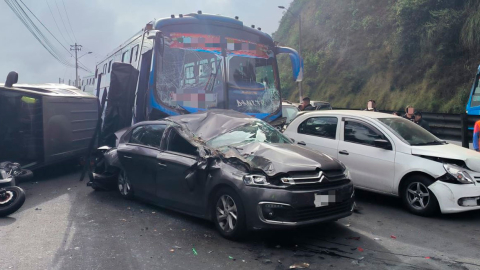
x=66 y=13
x=61 y=18
x=37 y=33
x=58 y=28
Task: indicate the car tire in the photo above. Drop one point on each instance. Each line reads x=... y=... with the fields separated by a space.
x=24 y=175
x=231 y=225
x=124 y=185
x=417 y=198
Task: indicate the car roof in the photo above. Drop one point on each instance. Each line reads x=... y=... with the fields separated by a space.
x=368 y=114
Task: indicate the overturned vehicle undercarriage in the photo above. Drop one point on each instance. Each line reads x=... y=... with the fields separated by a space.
x=225 y=166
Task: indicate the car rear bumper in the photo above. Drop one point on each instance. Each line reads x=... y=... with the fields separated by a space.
x=455 y=198
x=280 y=208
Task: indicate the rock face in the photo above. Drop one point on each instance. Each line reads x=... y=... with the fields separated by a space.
x=399 y=52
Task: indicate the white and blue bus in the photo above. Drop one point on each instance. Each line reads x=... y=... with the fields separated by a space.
x=196 y=62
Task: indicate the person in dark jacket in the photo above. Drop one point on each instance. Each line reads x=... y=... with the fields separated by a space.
x=306 y=106
x=371 y=106
x=409 y=113
x=420 y=121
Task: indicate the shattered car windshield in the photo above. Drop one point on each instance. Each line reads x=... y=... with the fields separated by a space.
x=252 y=132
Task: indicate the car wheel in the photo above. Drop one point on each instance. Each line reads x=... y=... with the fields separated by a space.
x=124 y=185
x=418 y=198
x=229 y=214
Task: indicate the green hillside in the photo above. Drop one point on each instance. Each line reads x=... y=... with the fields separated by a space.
x=398 y=52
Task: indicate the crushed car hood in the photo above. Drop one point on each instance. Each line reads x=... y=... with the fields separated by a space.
x=282 y=158
x=450 y=151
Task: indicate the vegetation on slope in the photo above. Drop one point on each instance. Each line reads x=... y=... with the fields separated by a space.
x=418 y=52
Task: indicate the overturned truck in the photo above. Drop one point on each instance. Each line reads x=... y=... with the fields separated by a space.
x=41 y=124
x=227 y=167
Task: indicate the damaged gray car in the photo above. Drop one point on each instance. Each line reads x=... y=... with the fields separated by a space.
x=227 y=167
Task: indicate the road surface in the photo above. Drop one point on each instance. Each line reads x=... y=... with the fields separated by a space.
x=66 y=225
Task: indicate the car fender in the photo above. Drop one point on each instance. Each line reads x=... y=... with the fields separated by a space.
x=406 y=164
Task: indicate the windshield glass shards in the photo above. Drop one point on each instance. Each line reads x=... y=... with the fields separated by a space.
x=252 y=132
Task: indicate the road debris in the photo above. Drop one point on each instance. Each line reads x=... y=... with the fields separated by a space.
x=348 y=225
x=68 y=189
x=194 y=251
x=427 y=258
x=360 y=249
x=267 y=261
x=210 y=251
x=393 y=236
x=299 y=266
x=377 y=239
x=177 y=247
x=38 y=209
x=172 y=250
x=231 y=258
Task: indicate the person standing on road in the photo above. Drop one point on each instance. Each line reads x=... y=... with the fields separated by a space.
x=420 y=121
x=409 y=113
x=371 y=106
x=306 y=106
x=476 y=136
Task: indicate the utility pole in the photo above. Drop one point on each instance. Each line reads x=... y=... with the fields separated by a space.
x=76 y=48
x=300 y=92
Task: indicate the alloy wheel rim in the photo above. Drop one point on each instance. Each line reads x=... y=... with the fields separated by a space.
x=123 y=184
x=418 y=196
x=227 y=213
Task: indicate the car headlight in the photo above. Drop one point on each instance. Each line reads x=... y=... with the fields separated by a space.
x=255 y=179
x=346 y=172
x=458 y=173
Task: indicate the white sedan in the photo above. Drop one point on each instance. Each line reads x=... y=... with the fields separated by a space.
x=391 y=155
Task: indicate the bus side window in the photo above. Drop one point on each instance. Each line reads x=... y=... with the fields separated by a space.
x=110 y=66
x=134 y=54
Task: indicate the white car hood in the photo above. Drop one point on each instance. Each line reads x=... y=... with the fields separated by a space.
x=450 y=151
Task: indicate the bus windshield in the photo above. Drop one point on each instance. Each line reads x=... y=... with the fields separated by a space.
x=191 y=73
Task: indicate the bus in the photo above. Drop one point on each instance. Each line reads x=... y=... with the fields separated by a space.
x=195 y=62
x=473 y=105
x=87 y=84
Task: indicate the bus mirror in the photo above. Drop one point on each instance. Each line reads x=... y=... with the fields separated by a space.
x=12 y=78
x=297 y=62
x=159 y=40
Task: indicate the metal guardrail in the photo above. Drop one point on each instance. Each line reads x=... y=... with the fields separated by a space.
x=446 y=126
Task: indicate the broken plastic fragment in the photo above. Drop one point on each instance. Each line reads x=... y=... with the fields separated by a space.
x=393 y=236
x=348 y=225
x=177 y=247
x=172 y=250
x=194 y=251
x=299 y=266
x=377 y=239
x=360 y=249
x=210 y=251
x=427 y=257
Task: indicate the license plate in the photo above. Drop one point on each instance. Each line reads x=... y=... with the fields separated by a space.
x=322 y=200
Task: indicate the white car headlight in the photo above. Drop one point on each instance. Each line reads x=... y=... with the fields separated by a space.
x=458 y=173
x=255 y=179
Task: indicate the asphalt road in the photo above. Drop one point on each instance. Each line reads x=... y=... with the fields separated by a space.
x=66 y=225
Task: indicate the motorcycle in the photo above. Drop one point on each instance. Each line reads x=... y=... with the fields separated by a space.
x=12 y=197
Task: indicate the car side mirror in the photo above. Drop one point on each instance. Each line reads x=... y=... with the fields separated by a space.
x=384 y=144
x=12 y=78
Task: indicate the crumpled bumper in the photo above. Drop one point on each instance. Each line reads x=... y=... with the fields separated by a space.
x=451 y=196
x=106 y=181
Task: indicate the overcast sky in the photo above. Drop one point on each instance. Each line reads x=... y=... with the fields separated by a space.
x=102 y=25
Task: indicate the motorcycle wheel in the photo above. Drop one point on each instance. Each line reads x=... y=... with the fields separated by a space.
x=12 y=201
x=24 y=175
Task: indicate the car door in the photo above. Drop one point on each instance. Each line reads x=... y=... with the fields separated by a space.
x=319 y=133
x=370 y=165
x=179 y=185
x=139 y=159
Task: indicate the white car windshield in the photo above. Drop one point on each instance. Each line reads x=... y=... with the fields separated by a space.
x=257 y=131
x=410 y=132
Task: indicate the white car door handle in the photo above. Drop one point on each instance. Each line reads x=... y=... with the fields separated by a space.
x=344 y=152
